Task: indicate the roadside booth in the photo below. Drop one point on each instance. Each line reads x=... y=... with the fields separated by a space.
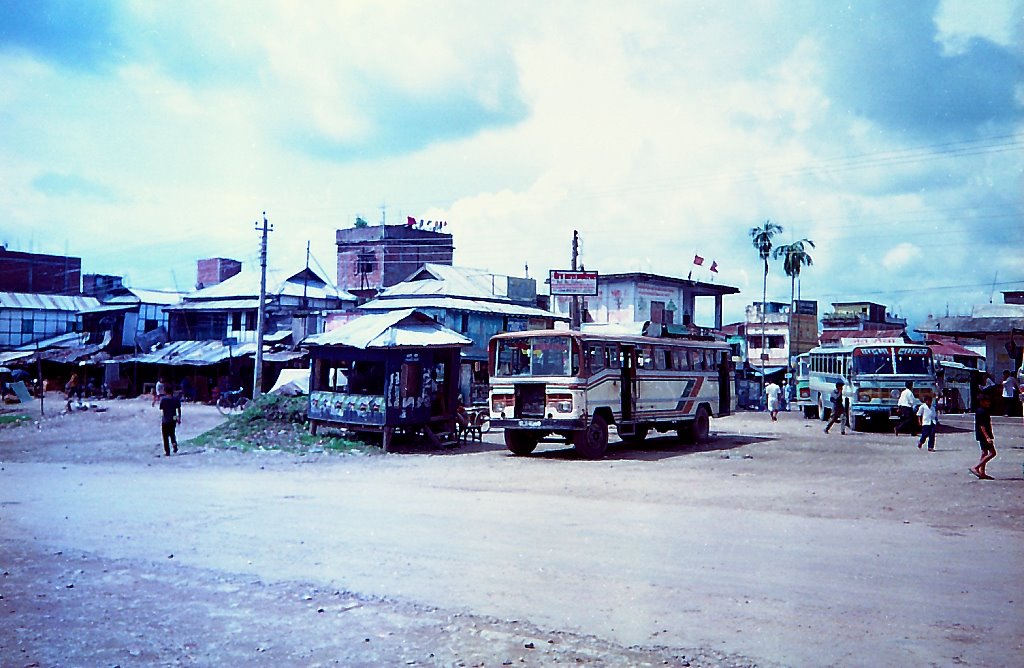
x=388 y=372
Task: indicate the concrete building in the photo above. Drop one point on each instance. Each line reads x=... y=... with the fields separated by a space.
x=860 y=317
x=641 y=297
x=36 y=273
x=373 y=258
x=783 y=335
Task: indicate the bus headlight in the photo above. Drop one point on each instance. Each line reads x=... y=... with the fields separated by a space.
x=864 y=397
x=559 y=403
x=500 y=402
x=895 y=395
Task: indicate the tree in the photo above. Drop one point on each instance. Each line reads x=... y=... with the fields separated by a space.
x=361 y=223
x=761 y=237
x=794 y=257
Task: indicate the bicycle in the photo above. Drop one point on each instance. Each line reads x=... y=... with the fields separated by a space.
x=479 y=416
x=232 y=401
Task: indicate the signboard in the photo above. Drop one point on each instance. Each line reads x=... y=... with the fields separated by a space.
x=569 y=282
x=806 y=307
x=868 y=341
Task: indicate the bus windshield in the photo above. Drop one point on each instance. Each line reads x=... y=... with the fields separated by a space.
x=536 y=356
x=885 y=360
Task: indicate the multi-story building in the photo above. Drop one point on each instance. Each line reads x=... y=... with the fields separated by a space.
x=775 y=335
x=28 y=319
x=36 y=273
x=641 y=297
x=373 y=258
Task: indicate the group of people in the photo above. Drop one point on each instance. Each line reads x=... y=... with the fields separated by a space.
x=924 y=415
x=777 y=398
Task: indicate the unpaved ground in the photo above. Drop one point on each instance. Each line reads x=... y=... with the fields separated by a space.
x=772 y=545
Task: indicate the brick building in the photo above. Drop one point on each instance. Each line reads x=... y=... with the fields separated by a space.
x=373 y=258
x=36 y=273
x=214 y=270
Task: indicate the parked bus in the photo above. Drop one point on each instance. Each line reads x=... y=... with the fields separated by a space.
x=575 y=385
x=803 y=386
x=873 y=375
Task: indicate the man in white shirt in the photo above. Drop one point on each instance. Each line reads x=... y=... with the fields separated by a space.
x=927 y=418
x=773 y=391
x=905 y=406
x=1009 y=393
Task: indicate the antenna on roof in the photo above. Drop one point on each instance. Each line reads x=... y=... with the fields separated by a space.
x=992 y=292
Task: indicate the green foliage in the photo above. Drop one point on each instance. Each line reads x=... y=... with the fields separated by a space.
x=275 y=422
x=361 y=223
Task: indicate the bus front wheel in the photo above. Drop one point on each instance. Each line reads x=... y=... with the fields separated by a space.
x=519 y=442
x=592 y=442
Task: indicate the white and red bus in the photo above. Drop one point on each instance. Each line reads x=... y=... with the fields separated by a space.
x=575 y=386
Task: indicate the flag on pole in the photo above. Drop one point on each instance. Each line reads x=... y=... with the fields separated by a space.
x=409 y=221
x=714 y=266
x=698 y=260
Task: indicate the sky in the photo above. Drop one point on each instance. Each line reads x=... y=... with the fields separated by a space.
x=142 y=136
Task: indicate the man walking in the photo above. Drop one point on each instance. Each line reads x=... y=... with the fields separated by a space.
x=927 y=418
x=170 y=408
x=905 y=406
x=838 y=410
x=773 y=391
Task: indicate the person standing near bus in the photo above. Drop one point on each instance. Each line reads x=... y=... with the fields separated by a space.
x=773 y=391
x=170 y=409
x=983 y=432
x=905 y=406
x=838 y=410
x=927 y=418
x=1009 y=394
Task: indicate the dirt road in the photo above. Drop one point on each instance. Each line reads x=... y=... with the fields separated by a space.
x=772 y=545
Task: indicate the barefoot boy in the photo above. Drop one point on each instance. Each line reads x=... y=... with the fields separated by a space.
x=983 y=432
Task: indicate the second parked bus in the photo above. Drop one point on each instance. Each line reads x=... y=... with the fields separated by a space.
x=873 y=375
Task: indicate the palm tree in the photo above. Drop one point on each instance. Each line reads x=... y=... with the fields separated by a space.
x=794 y=257
x=761 y=238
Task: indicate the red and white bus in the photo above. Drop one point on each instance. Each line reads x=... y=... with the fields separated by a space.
x=575 y=386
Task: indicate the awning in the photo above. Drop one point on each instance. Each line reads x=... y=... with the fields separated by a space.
x=193 y=353
x=768 y=370
x=284 y=356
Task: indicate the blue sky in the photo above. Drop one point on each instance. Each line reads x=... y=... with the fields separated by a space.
x=141 y=136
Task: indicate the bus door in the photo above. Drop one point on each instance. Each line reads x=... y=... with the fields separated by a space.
x=724 y=396
x=628 y=384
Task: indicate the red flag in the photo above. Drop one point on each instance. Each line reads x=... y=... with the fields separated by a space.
x=714 y=266
x=698 y=260
x=409 y=221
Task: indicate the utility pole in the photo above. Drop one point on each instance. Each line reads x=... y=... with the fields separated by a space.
x=257 y=381
x=574 y=316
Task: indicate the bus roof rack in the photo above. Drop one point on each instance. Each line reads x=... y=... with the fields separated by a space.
x=663 y=331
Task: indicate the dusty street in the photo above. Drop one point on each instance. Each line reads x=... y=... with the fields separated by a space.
x=773 y=544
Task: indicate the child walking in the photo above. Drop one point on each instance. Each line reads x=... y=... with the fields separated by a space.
x=983 y=432
x=927 y=418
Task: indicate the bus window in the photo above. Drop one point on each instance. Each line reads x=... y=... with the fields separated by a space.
x=614 y=361
x=643 y=358
x=596 y=358
x=913 y=361
x=662 y=359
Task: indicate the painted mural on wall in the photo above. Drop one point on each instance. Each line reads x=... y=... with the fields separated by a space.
x=341 y=407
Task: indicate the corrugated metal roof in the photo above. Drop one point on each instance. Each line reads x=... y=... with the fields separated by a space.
x=459 y=304
x=194 y=353
x=446 y=280
x=835 y=335
x=986 y=319
x=392 y=329
x=108 y=308
x=217 y=305
x=39 y=302
x=247 y=284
